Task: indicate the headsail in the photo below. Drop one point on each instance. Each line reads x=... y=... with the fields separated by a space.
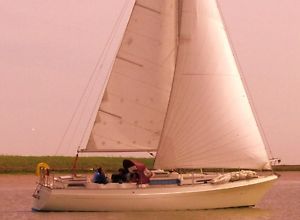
x=132 y=111
x=209 y=123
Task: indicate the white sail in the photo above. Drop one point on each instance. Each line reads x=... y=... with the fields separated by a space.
x=134 y=105
x=209 y=123
x=82 y=118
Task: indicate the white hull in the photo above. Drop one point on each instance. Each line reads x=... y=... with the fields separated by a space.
x=127 y=197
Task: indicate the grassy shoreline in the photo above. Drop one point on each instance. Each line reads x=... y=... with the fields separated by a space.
x=27 y=164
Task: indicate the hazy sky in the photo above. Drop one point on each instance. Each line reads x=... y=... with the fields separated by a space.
x=48 y=47
x=48 y=52
x=266 y=37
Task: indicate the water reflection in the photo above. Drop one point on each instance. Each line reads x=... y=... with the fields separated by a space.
x=236 y=213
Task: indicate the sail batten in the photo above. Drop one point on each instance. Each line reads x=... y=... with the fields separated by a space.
x=209 y=123
x=129 y=61
x=148 y=8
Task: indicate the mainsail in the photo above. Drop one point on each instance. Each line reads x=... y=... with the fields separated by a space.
x=82 y=118
x=133 y=108
x=209 y=123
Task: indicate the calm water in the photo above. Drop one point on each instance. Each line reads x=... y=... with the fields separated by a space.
x=281 y=202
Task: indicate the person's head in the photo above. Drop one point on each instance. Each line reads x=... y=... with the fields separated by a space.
x=100 y=170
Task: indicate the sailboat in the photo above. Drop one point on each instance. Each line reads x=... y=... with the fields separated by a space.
x=174 y=88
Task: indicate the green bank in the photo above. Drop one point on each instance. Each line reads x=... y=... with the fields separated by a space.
x=27 y=164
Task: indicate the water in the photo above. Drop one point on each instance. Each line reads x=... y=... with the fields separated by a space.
x=281 y=202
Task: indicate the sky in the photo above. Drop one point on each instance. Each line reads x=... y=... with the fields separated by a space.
x=48 y=47
x=48 y=52
x=265 y=37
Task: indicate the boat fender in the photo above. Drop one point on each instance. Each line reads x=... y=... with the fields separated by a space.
x=235 y=176
x=225 y=178
x=40 y=166
x=243 y=175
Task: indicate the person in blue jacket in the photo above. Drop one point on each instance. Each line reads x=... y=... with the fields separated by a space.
x=100 y=177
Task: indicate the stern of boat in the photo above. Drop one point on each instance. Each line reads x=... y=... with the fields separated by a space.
x=43 y=196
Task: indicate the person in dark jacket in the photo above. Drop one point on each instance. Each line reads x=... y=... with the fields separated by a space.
x=100 y=177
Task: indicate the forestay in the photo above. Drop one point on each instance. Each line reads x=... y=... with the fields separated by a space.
x=132 y=111
x=209 y=123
